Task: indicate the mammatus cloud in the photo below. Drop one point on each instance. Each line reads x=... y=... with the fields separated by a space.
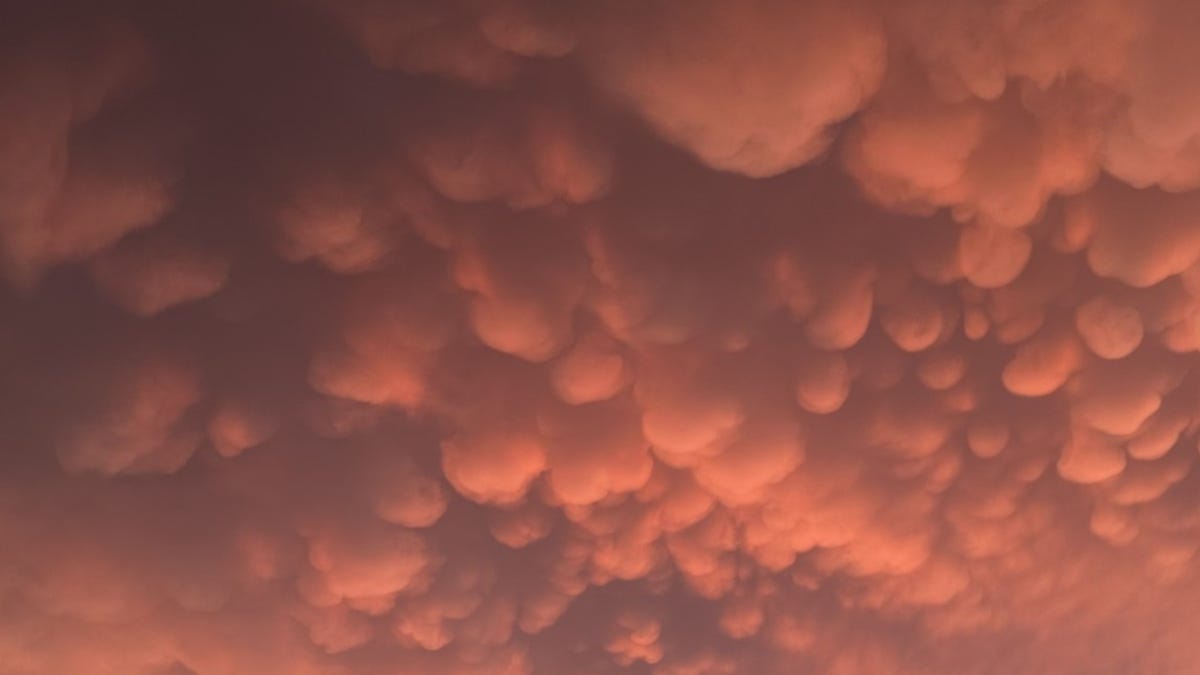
x=517 y=337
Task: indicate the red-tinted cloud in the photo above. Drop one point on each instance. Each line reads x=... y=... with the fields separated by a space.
x=353 y=337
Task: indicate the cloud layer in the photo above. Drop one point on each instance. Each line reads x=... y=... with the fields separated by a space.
x=517 y=337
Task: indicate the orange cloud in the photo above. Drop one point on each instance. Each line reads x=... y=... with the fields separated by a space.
x=352 y=337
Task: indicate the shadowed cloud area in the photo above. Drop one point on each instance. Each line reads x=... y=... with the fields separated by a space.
x=646 y=337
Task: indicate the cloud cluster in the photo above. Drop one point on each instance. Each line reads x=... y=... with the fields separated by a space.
x=516 y=337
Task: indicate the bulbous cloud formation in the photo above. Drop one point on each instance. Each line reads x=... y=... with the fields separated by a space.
x=663 y=337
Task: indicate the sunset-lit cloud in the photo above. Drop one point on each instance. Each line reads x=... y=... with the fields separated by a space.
x=520 y=337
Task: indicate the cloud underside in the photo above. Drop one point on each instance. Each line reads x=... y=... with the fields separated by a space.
x=518 y=337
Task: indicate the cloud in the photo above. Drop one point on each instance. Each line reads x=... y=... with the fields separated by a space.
x=670 y=338
x=790 y=73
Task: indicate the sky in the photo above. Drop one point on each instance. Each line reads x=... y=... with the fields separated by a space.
x=643 y=337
